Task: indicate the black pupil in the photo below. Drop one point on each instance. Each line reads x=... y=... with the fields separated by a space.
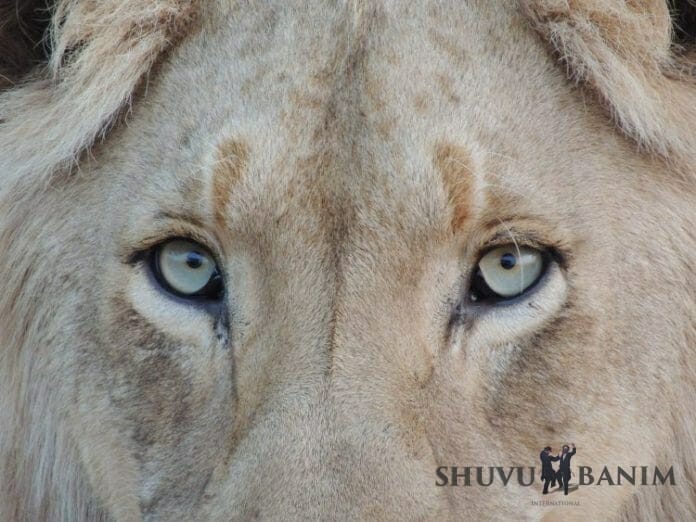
x=194 y=260
x=508 y=261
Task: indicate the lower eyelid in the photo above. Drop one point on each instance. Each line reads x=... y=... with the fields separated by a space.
x=169 y=313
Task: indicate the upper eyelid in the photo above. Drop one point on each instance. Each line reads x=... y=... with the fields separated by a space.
x=135 y=252
x=504 y=236
x=520 y=240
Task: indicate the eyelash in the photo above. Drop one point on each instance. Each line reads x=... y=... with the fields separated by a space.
x=138 y=251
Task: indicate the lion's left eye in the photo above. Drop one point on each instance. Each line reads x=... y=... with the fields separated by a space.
x=187 y=269
x=506 y=272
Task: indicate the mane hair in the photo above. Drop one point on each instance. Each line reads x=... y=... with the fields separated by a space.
x=639 y=59
x=67 y=70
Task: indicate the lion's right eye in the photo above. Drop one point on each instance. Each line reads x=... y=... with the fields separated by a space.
x=187 y=269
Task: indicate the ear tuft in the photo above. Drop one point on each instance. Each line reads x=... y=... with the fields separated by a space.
x=636 y=56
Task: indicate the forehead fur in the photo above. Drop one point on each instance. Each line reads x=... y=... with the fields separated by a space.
x=100 y=51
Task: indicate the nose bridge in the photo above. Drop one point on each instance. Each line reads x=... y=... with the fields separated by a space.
x=343 y=427
x=334 y=427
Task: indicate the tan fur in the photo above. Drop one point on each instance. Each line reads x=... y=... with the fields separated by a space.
x=231 y=161
x=346 y=163
x=455 y=165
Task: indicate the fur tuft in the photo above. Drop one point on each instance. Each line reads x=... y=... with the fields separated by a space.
x=99 y=52
x=624 y=52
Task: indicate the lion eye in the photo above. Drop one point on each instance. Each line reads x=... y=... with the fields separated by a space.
x=187 y=269
x=507 y=272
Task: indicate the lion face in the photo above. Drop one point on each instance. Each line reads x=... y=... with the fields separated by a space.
x=329 y=250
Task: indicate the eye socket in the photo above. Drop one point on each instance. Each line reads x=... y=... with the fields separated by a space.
x=187 y=269
x=506 y=272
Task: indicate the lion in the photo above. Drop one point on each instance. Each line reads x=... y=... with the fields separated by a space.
x=291 y=262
